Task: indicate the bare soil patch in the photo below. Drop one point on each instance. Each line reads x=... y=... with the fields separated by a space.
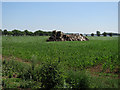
x=14 y=58
x=95 y=70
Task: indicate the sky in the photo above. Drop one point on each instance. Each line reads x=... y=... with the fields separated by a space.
x=77 y=17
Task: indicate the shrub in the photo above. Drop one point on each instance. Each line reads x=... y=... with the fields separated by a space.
x=51 y=75
x=27 y=84
x=110 y=34
x=78 y=80
x=36 y=73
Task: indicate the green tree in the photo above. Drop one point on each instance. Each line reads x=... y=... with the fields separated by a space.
x=31 y=33
x=21 y=33
x=49 y=33
x=104 y=34
x=10 y=33
x=110 y=34
x=39 y=33
x=92 y=34
x=26 y=32
x=98 y=33
x=0 y=32
x=5 y=32
x=16 y=32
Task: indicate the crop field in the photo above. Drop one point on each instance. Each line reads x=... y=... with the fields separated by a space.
x=31 y=62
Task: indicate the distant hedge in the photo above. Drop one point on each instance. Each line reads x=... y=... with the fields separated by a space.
x=24 y=33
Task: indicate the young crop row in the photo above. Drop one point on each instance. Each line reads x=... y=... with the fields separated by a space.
x=49 y=75
x=98 y=50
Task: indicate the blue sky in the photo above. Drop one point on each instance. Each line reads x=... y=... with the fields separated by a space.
x=79 y=17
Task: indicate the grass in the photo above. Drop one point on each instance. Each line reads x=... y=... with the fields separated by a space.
x=74 y=55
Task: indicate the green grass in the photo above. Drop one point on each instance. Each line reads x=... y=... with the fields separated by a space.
x=73 y=55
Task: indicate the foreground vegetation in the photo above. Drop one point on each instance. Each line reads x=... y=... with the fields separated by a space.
x=31 y=62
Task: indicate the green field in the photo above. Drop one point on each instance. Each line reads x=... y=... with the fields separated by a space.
x=75 y=61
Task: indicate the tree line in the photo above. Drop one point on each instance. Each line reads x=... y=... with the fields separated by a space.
x=24 y=33
x=43 y=33
x=104 y=34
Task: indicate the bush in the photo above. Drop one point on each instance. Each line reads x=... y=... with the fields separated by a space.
x=10 y=83
x=51 y=75
x=78 y=80
x=27 y=84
